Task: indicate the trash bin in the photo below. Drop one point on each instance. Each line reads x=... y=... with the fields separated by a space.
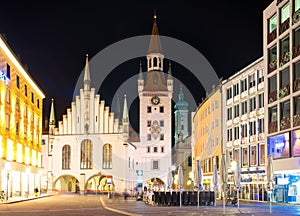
x=109 y=195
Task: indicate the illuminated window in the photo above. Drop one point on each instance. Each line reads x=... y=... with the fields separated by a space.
x=272 y=23
x=7 y=122
x=10 y=150
x=8 y=96
x=1 y=148
x=296 y=5
x=262 y=154
x=245 y=157
x=86 y=154
x=284 y=13
x=253 y=155
x=107 y=156
x=33 y=157
x=27 y=155
x=66 y=157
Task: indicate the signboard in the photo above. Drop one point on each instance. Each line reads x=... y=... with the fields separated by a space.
x=139 y=172
x=108 y=179
x=3 y=77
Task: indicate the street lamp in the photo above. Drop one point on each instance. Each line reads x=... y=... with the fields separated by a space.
x=7 y=168
x=27 y=172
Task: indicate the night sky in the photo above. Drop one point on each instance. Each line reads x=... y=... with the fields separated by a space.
x=52 y=39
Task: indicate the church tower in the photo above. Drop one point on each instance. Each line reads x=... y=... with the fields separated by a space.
x=155 y=93
x=181 y=117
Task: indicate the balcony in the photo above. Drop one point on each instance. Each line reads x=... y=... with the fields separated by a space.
x=272 y=65
x=272 y=36
x=284 y=91
x=296 y=120
x=285 y=58
x=296 y=86
x=285 y=123
x=272 y=96
x=273 y=127
x=284 y=26
x=296 y=16
x=296 y=51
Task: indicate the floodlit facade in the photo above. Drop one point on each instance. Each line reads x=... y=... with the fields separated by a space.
x=207 y=135
x=21 y=106
x=281 y=23
x=88 y=150
x=243 y=129
x=153 y=154
x=91 y=151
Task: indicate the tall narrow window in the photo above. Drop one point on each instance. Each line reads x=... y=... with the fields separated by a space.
x=86 y=154
x=107 y=156
x=18 y=82
x=32 y=97
x=25 y=90
x=66 y=157
x=8 y=71
x=155 y=62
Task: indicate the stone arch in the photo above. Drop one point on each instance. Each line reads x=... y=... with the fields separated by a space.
x=155 y=184
x=97 y=183
x=65 y=183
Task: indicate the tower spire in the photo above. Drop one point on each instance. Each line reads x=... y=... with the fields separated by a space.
x=155 y=46
x=169 y=71
x=87 y=79
x=125 y=110
x=52 y=115
x=141 y=72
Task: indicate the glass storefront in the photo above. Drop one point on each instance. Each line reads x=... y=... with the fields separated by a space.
x=287 y=188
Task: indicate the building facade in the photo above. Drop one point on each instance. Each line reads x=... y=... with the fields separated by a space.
x=21 y=107
x=88 y=151
x=91 y=150
x=182 y=151
x=155 y=95
x=207 y=134
x=243 y=129
x=282 y=104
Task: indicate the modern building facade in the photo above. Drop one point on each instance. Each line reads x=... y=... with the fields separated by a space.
x=281 y=21
x=243 y=129
x=21 y=107
x=207 y=134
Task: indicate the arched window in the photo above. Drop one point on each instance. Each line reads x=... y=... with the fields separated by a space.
x=150 y=63
x=107 y=156
x=86 y=161
x=66 y=157
x=155 y=62
x=159 y=64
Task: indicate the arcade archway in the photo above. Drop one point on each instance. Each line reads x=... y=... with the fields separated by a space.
x=66 y=183
x=99 y=183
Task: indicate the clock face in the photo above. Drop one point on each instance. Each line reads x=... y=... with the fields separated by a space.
x=155 y=100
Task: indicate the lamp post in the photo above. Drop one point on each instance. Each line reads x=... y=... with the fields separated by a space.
x=7 y=168
x=27 y=172
x=234 y=168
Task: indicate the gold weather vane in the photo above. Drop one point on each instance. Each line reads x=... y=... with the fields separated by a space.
x=155 y=16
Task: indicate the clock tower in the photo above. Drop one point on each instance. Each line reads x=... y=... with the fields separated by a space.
x=155 y=94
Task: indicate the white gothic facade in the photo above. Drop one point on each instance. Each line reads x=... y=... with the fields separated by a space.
x=91 y=150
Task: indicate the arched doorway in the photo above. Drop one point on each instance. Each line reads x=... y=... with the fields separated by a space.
x=155 y=184
x=99 y=183
x=65 y=184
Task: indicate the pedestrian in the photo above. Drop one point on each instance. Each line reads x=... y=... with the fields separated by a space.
x=36 y=191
